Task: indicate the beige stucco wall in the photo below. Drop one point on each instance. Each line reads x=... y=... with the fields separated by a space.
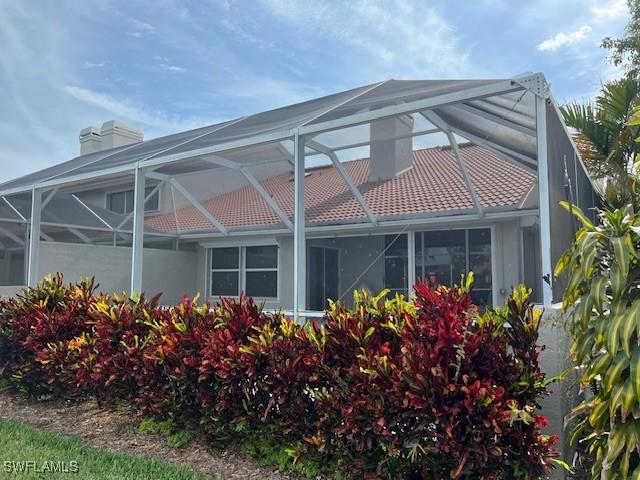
x=168 y=271
x=554 y=360
x=508 y=270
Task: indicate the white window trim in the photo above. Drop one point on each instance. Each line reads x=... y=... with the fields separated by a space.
x=242 y=269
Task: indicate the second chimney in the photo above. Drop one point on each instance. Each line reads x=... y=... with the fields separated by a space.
x=390 y=155
x=117 y=134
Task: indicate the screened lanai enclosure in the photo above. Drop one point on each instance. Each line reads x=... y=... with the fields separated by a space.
x=370 y=188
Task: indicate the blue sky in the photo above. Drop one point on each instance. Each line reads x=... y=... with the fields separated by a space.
x=170 y=65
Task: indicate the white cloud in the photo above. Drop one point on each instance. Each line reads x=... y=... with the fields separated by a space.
x=92 y=65
x=245 y=34
x=563 y=39
x=133 y=111
x=609 y=10
x=395 y=36
x=171 y=68
x=141 y=29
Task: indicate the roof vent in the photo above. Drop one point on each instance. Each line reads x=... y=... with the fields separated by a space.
x=117 y=134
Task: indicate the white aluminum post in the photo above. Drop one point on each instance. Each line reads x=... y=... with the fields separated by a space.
x=138 y=232
x=411 y=259
x=545 y=207
x=34 y=237
x=299 y=243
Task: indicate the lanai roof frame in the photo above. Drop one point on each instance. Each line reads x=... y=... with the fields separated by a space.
x=516 y=132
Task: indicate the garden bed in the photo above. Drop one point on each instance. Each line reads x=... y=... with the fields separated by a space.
x=117 y=431
x=427 y=388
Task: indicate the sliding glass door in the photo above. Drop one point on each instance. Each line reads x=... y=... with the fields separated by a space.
x=446 y=255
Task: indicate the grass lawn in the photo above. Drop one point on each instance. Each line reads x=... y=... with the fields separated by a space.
x=53 y=456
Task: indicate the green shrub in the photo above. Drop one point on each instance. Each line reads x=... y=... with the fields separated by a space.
x=603 y=296
x=173 y=437
x=45 y=340
x=427 y=388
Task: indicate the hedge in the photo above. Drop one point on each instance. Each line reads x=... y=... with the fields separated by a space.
x=429 y=388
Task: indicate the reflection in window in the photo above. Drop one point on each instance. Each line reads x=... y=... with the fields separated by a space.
x=447 y=255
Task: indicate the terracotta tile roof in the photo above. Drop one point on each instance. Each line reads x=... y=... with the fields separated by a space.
x=434 y=184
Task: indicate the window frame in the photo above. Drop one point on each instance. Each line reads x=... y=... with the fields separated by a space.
x=212 y=270
x=242 y=270
x=126 y=191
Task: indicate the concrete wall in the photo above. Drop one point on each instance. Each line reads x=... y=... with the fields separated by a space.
x=562 y=396
x=168 y=271
x=10 y=291
x=508 y=271
x=285 y=275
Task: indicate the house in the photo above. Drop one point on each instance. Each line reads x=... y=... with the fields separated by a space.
x=368 y=188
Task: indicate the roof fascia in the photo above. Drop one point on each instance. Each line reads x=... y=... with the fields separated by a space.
x=382 y=227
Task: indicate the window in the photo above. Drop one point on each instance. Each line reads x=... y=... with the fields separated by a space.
x=225 y=271
x=450 y=254
x=261 y=271
x=396 y=263
x=122 y=202
x=442 y=254
x=480 y=265
x=253 y=270
x=323 y=276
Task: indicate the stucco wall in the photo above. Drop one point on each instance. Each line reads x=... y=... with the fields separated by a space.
x=10 y=291
x=285 y=275
x=508 y=272
x=168 y=271
x=553 y=361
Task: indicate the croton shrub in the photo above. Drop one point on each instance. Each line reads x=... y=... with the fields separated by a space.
x=428 y=388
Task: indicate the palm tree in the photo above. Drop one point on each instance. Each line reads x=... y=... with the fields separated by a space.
x=605 y=137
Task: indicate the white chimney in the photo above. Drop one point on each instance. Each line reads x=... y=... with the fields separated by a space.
x=117 y=134
x=90 y=140
x=390 y=155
